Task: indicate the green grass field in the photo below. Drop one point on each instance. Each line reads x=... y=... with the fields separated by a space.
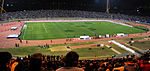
x=59 y=30
x=83 y=52
x=142 y=45
x=121 y=50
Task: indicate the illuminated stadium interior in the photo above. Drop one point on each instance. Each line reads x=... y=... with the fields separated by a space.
x=74 y=35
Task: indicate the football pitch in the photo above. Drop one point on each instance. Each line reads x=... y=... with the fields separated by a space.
x=60 y=30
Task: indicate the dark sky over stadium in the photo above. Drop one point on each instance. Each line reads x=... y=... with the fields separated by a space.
x=140 y=7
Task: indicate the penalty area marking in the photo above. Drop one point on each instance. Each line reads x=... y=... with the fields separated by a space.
x=44 y=28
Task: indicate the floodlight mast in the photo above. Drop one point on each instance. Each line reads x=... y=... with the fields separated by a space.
x=107 y=9
x=2 y=5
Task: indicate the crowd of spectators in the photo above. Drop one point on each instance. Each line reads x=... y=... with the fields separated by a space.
x=71 y=62
x=69 y=13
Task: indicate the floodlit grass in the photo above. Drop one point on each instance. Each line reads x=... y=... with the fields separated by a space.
x=81 y=43
x=142 y=45
x=94 y=51
x=83 y=52
x=121 y=50
x=58 y=30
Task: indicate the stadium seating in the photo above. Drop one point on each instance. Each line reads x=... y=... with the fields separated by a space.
x=69 y=14
x=51 y=63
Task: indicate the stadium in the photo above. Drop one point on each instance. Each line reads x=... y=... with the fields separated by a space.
x=82 y=39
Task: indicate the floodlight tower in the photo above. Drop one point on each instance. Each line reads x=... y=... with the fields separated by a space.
x=2 y=5
x=107 y=9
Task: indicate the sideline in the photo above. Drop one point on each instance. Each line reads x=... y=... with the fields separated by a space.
x=25 y=27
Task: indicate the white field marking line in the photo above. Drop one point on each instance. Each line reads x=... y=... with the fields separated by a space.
x=115 y=50
x=24 y=33
x=124 y=47
x=44 y=28
x=134 y=47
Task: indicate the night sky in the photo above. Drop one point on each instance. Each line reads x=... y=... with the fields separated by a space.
x=116 y=6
